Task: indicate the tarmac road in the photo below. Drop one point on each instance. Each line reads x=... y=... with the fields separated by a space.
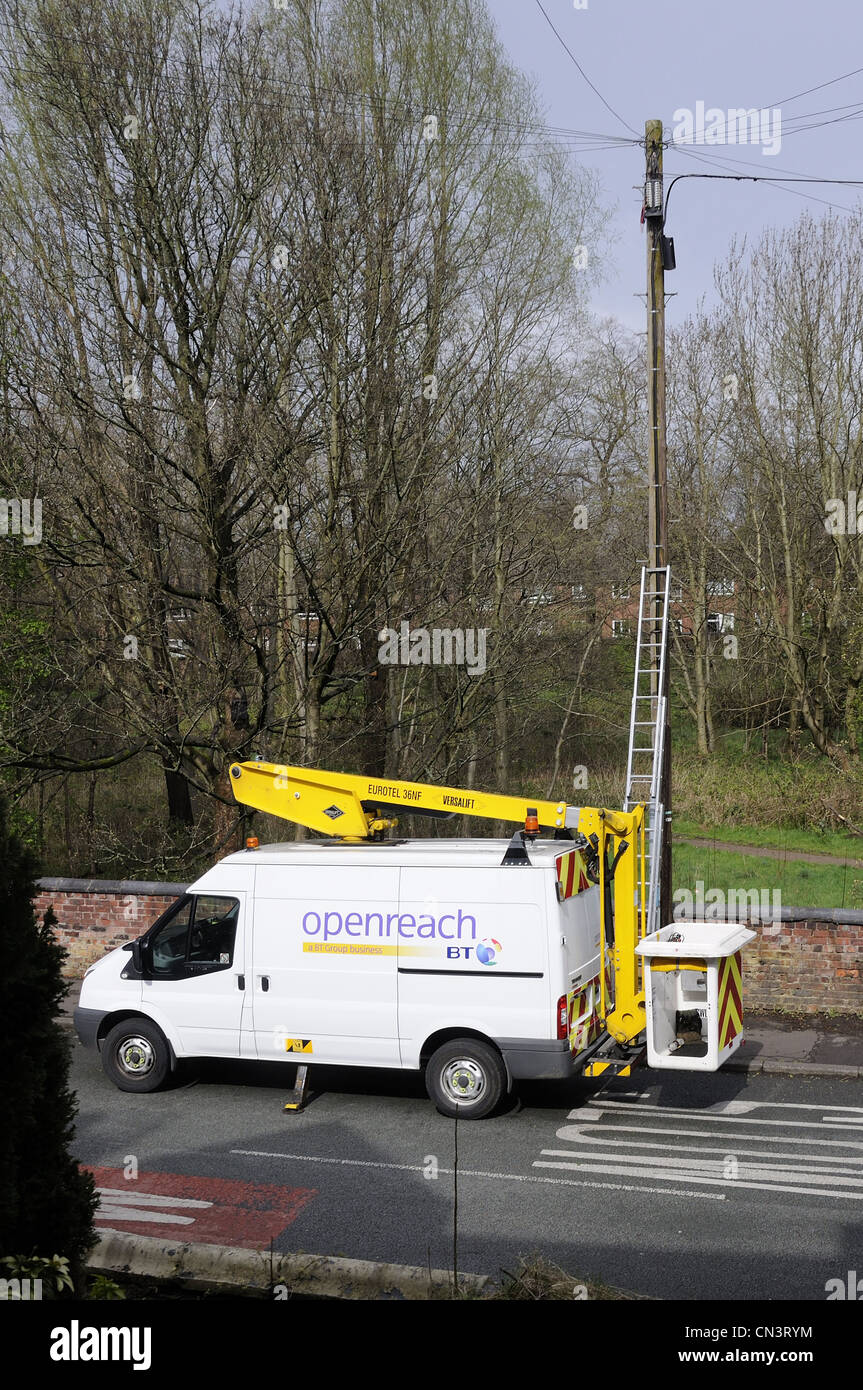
x=722 y=1186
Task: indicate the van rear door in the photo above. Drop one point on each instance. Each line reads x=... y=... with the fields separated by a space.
x=578 y=915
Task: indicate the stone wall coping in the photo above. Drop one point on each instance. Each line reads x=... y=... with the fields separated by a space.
x=125 y=886
x=831 y=916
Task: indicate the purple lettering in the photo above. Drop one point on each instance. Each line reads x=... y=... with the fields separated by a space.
x=327 y=932
x=466 y=919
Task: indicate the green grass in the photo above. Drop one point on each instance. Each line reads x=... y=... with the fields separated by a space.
x=811 y=841
x=800 y=885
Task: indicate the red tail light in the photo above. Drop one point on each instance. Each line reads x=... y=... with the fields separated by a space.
x=562 y=1018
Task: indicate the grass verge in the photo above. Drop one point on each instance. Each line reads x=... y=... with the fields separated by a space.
x=780 y=837
x=800 y=885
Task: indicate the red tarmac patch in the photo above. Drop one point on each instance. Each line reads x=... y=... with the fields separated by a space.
x=204 y=1211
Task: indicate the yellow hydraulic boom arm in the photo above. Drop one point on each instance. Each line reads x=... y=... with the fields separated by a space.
x=347 y=805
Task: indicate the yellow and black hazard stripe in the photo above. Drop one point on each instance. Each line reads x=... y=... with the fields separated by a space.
x=730 y=1000
x=571 y=876
x=298 y=1045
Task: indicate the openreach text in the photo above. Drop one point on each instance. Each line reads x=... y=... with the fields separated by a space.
x=380 y=925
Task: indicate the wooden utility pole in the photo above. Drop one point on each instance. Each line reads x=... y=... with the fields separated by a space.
x=658 y=477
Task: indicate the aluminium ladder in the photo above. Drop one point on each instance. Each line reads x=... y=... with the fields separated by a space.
x=647 y=725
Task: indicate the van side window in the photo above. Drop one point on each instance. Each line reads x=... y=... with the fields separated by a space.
x=198 y=939
x=168 y=946
x=214 y=928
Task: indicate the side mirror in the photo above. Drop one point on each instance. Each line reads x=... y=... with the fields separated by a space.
x=138 y=957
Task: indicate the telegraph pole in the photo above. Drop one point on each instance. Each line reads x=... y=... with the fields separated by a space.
x=660 y=256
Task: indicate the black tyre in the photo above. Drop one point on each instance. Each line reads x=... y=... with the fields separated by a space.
x=466 y=1077
x=136 y=1056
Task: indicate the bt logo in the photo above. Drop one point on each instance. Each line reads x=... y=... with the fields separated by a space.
x=487 y=951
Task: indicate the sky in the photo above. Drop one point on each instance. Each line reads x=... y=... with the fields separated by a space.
x=654 y=58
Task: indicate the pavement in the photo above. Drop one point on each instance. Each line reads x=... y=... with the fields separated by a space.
x=786 y=1048
x=790 y=1049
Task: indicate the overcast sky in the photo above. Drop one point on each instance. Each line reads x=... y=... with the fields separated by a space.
x=651 y=58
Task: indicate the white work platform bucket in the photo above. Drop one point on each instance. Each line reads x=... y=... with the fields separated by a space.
x=692 y=980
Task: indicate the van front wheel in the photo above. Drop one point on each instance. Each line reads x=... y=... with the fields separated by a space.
x=135 y=1055
x=465 y=1077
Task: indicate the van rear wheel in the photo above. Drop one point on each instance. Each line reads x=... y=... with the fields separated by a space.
x=135 y=1055
x=465 y=1077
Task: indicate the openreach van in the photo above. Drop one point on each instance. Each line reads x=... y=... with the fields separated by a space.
x=478 y=962
x=421 y=955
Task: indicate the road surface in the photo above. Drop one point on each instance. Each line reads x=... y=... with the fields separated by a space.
x=718 y=1186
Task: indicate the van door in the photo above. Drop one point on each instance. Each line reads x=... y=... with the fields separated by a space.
x=580 y=930
x=324 y=964
x=195 y=983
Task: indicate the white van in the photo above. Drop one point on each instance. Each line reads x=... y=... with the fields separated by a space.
x=421 y=954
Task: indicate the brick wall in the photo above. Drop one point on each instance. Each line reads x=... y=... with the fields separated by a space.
x=805 y=965
x=95 y=916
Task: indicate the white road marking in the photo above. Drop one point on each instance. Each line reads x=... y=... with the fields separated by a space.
x=574 y=1133
x=723 y=1134
x=155 y=1199
x=735 y=1107
x=631 y=1107
x=782 y=1162
x=119 y=1204
x=476 y=1173
x=159 y=1218
x=682 y=1175
x=716 y=1166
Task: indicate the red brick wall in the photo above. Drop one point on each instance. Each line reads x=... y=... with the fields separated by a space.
x=91 y=922
x=804 y=966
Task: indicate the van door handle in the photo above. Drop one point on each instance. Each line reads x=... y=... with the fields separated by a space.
x=241 y=982
x=265 y=983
